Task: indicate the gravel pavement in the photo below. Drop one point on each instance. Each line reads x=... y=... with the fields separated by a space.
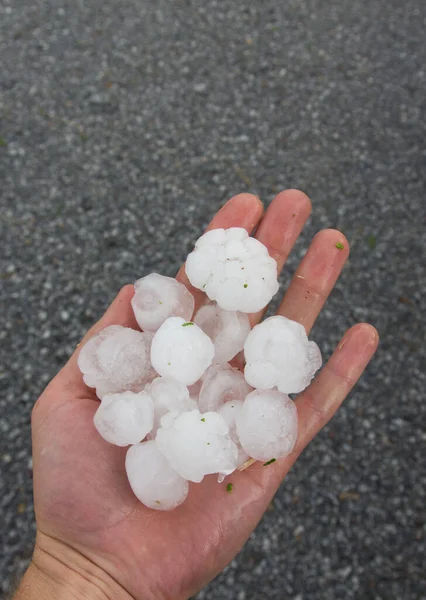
x=123 y=127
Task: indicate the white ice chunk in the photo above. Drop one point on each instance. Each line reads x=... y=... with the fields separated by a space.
x=267 y=425
x=157 y=298
x=197 y=444
x=221 y=384
x=181 y=351
x=230 y=411
x=152 y=479
x=116 y=360
x=233 y=269
x=124 y=419
x=228 y=330
x=168 y=395
x=279 y=354
x=87 y=361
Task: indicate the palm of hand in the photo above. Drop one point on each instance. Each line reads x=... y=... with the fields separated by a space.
x=82 y=496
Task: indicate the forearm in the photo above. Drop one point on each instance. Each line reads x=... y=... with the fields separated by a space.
x=59 y=573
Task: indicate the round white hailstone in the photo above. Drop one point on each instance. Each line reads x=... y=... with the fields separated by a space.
x=279 y=354
x=181 y=351
x=126 y=418
x=233 y=269
x=221 y=384
x=267 y=425
x=230 y=411
x=116 y=360
x=168 y=395
x=88 y=360
x=227 y=329
x=197 y=444
x=157 y=298
x=152 y=479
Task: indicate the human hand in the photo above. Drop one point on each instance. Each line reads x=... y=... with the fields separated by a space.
x=94 y=538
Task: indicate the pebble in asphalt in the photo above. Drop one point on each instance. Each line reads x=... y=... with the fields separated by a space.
x=123 y=127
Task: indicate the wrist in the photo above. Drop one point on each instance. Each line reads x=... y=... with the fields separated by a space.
x=58 y=572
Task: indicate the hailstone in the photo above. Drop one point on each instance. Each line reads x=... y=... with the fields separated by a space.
x=157 y=298
x=126 y=418
x=233 y=269
x=117 y=359
x=267 y=425
x=152 y=479
x=227 y=330
x=168 y=395
x=279 y=354
x=197 y=444
x=221 y=384
x=181 y=351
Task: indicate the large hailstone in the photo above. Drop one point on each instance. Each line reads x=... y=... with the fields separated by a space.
x=168 y=395
x=157 y=298
x=233 y=269
x=152 y=479
x=126 y=418
x=221 y=384
x=279 y=354
x=227 y=329
x=197 y=444
x=117 y=359
x=181 y=351
x=267 y=425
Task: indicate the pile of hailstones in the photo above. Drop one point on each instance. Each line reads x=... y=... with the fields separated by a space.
x=169 y=391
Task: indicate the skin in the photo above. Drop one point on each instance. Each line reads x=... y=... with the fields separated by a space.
x=95 y=540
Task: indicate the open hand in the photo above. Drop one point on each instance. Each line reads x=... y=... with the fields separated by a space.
x=95 y=540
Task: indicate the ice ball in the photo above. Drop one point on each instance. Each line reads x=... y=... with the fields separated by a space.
x=267 y=425
x=197 y=444
x=221 y=384
x=126 y=418
x=152 y=479
x=181 y=351
x=168 y=395
x=279 y=354
x=233 y=269
x=117 y=359
x=227 y=329
x=157 y=298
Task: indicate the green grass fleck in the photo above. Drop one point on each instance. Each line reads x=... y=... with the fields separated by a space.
x=229 y=487
x=246 y=285
x=159 y=302
x=269 y=462
x=372 y=242
x=203 y=420
x=339 y=246
x=188 y=324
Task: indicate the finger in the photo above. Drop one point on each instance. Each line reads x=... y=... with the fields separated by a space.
x=120 y=312
x=243 y=210
x=315 y=278
x=280 y=228
x=319 y=402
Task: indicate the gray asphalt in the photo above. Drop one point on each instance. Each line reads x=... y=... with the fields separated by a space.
x=123 y=127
